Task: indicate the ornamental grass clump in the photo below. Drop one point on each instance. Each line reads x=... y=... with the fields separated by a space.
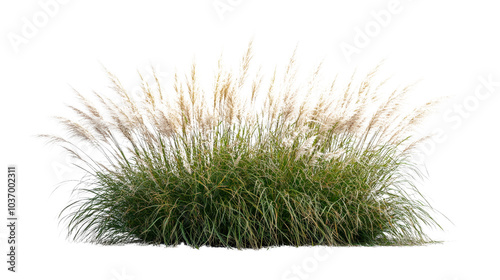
x=249 y=163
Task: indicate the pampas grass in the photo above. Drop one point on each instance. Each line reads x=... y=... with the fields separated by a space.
x=255 y=161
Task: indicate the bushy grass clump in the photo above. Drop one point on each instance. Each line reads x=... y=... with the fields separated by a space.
x=247 y=164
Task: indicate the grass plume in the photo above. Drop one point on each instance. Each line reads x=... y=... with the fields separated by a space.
x=251 y=162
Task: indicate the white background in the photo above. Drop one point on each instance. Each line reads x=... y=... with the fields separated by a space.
x=452 y=46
